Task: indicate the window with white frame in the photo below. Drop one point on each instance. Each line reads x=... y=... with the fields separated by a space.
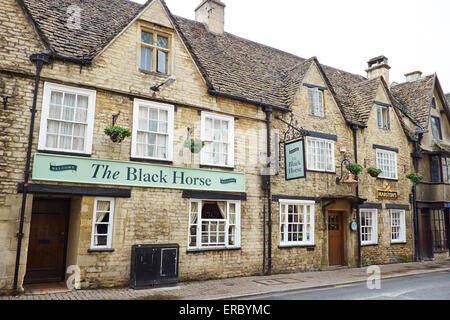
x=369 y=226
x=102 y=223
x=387 y=161
x=214 y=224
x=320 y=154
x=152 y=130
x=315 y=98
x=383 y=118
x=398 y=228
x=296 y=222
x=218 y=134
x=67 y=119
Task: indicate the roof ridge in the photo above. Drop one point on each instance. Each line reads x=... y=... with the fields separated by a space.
x=407 y=82
x=247 y=40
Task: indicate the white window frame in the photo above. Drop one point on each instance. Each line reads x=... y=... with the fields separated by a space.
x=383 y=122
x=48 y=88
x=110 y=224
x=402 y=225
x=230 y=151
x=380 y=165
x=316 y=106
x=374 y=226
x=199 y=245
x=309 y=165
x=286 y=242
x=170 y=128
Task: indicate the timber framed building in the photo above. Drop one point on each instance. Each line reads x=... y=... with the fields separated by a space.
x=202 y=180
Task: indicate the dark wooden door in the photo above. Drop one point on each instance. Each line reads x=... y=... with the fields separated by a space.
x=425 y=237
x=48 y=234
x=335 y=238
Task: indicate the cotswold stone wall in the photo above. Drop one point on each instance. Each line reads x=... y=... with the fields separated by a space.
x=315 y=185
x=150 y=216
x=385 y=252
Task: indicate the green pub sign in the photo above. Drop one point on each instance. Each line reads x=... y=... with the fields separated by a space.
x=59 y=168
x=294 y=160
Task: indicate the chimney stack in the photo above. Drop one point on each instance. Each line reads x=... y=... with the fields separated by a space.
x=413 y=76
x=378 y=67
x=212 y=14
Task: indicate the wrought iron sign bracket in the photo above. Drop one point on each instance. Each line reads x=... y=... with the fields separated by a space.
x=293 y=132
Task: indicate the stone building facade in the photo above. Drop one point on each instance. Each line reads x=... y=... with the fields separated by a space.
x=174 y=82
x=432 y=148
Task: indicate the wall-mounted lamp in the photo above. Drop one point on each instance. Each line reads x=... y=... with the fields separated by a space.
x=5 y=101
x=166 y=82
x=346 y=160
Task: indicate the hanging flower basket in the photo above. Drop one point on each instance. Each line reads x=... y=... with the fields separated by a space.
x=374 y=172
x=416 y=178
x=194 y=145
x=354 y=168
x=117 y=134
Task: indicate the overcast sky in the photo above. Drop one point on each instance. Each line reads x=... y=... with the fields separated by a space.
x=345 y=34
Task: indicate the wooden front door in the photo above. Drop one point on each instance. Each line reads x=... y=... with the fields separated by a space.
x=335 y=238
x=425 y=237
x=47 y=244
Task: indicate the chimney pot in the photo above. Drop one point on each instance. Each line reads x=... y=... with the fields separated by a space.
x=212 y=14
x=413 y=76
x=377 y=67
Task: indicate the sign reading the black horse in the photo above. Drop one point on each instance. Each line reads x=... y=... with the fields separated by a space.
x=294 y=160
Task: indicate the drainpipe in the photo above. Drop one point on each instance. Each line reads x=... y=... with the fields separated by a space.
x=416 y=155
x=268 y=111
x=40 y=59
x=355 y=147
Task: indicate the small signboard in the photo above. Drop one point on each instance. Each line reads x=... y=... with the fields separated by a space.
x=386 y=193
x=294 y=160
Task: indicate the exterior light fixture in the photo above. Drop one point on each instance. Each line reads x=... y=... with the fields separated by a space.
x=166 y=82
x=5 y=101
x=346 y=160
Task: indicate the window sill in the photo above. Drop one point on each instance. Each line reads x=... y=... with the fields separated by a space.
x=151 y=160
x=154 y=73
x=284 y=246
x=100 y=250
x=216 y=166
x=317 y=115
x=369 y=244
x=212 y=249
x=399 y=242
x=65 y=153
x=321 y=171
x=391 y=179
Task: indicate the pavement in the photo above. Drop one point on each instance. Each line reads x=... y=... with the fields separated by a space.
x=243 y=287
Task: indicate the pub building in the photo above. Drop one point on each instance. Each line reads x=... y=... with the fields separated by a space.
x=235 y=162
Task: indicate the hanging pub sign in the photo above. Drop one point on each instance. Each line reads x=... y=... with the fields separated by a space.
x=294 y=160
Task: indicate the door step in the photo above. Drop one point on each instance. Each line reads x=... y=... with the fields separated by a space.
x=45 y=288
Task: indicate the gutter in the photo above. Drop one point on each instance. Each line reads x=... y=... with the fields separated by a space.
x=245 y=100
x=40 y=59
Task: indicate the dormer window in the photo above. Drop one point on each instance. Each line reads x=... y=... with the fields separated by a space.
x=436 y=128
x=315 y=97
x=155 y=50
x=383 y=118
x=433 y=102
